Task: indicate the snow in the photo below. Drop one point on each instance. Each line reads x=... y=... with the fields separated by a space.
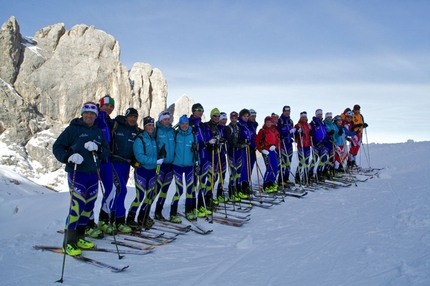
x=377 y=233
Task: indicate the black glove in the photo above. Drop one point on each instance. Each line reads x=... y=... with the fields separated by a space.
x=331 y=132
x=358 y=125
x=340 y=132
x=365 y=125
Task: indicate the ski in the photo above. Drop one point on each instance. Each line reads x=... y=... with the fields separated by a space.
x=338 y=183
x=234 y=219
x=88 y=260
x=196 y=227
x=178 y=226
x=143 y=241
x=227 y=221
x=295 y=192
x=123 y=251
x=237 y=207
x=222 y=212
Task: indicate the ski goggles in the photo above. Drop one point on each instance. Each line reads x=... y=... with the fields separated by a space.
x=90 y=107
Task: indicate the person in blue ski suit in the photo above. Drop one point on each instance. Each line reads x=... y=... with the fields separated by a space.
x=286 y=131
x=124 y=133
x=331 y=129
x=145 y=176
x=81 y=146
x=165 y=137
x=245 y=137
x=319 y=139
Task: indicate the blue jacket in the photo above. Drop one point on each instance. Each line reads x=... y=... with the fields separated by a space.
x=245 y=135
x=166 y=136
x=339 y=140
x=252 y=126
x=319 y=133
x=72 y=141
x=145 y=150
x=184 y=155
x=122 y=140
x=330 y=125
x=201 y=130
x=285 y=124
x=103 y=121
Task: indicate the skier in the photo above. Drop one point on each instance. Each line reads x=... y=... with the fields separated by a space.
x=351 y=136
x=339 y=140
x=202 y=134
x=303 y=139
x=124 y=133
x=103 y=121
x=286 y=131
x=81 y=146
x=268 y=142
x=234 y=156
x=359 y=125
x=245 y=137
x=213 y=152
x=252 y=125
x=331 y=130
x=319 y=143
x=183 y=166
x=222 y=157
x=145 y=152
x=165 y=137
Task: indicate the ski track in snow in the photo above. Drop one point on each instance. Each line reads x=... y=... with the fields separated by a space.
x=377 y=233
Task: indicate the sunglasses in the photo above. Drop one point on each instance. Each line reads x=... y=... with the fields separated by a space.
x=90 y=106
x=199 y=110
x=216 y=115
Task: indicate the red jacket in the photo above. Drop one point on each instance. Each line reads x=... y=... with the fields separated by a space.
x=267 y=137
x=305 y=135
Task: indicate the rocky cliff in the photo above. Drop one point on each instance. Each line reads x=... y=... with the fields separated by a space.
x=45 y=80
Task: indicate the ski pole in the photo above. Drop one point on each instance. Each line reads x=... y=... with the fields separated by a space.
x=282 y=175
x=107 y=206
x=221 y=180
x=258 y=182
x=68 y=220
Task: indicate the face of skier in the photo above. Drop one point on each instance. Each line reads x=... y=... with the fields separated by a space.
x=215 y=118
x=108 y=108
x=275 y=119
x=348 y=119
x=89 y=118
x=223 y=121
x=165 y=122
x=339 y=123
x=233 y=120
x=149 y=128
x=286 y=113
x=252 y=118
x=329 y=118
x=198 y=112
x=303 y=119
x=245 y=117
x=183 y=126
x=268 y=123
x=131 y=120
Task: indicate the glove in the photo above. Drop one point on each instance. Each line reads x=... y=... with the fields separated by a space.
x=265 y=152
x=365 y=125
x=91 y=146
x=272 y=148
x=75 y=158
x=348 y=139
x=293 y=130
x=299 y=130
x=331 y=132
x=340 y=132
x=160 y=161
x=212 y=141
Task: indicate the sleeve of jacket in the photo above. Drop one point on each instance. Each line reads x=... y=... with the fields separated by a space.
x=61 y=148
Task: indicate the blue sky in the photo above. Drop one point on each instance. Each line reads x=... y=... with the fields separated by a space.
x=267 y=54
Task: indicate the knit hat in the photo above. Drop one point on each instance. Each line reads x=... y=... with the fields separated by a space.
x=233 y=114
x=163 y=115
x=131 y=112
x=267 y=119
x=197 y=107
x=183 y=119
x=106 y=100
x=303 y=114
x=252 y=112
x=286 y=108
x=244 y=112
x=328 y=114
x=337 y=118
x=215 y=111
x=274 y=114
x=90 y=107
x=223 y=115
x=148 y=120
x=357 y=107
x=318 y=112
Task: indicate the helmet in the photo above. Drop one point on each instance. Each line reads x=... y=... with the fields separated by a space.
x=349 y=113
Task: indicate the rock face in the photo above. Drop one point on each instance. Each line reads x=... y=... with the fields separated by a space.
x=180 y=107
x=45 y=80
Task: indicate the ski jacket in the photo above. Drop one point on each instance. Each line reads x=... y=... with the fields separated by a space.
x=358 y=120
x=72 y=141
x=224 y=139
x=266 y=137
x=319 y=132
x=303 y=139
x=339 y=140
x=329 y=126
x=348 y=128
x=214 y=134
x=104 y=122
x=252 y=126
x=165 y=136
x=233 y=133
x=201 y=130
x=285 y=124
x=122 y=139
x=245 y=134
x=185 y=156
x=145 y=150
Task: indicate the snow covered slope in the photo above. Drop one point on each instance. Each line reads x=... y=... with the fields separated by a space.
x=377 y=233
